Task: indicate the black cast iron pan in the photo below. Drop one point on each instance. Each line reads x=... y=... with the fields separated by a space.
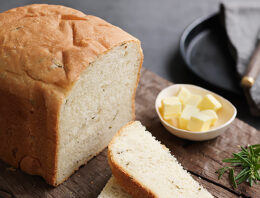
x=205 y=48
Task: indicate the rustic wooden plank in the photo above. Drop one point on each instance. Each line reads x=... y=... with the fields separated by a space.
x=200 y=158
x=215 y=190
x=88 y=181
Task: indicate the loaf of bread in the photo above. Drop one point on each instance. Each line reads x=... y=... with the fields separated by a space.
x=145 y=168
x=113 y=190
x=67 y=84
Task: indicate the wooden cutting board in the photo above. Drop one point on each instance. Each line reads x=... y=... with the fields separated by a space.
x=201 y=159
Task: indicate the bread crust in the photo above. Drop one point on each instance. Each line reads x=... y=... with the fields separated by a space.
x=126 y=181
x=43 y=51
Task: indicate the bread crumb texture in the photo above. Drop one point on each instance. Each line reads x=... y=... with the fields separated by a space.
x=97 y=107
x=151 y=164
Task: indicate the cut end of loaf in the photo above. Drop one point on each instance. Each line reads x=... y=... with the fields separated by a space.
x=145 y=168
x=101 y=102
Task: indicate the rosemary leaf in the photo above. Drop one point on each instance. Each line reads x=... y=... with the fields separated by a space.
x=257 y=150
x=232 y=178
x=250 y=181
x=243 y=179
x=242 y=173
x=247 y=162
x=257 y=176
x=222 y=171
x=244 y=160
x=244 y=150
x=232 y=160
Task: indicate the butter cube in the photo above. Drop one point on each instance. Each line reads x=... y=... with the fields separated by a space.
x=212 y=114
x=184 y=95
x=173 y=121
x=209 y=102
x=169 y=99
x=194 y=100
x=199 y=122
x=187 y=112
x=170 y=107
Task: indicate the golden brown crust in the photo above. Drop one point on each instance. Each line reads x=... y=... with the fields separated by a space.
x=58 y=41
x=28 y=124
x=43 y=51
x=126 y=181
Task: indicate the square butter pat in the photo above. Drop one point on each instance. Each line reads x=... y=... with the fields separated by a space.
x=194 y=100
x=212 y=114
x=187 y=112
x=184 y=95
x=169 y=99
x=209 y=102
x=170 y=107
x=199 y=122
x=173 y=121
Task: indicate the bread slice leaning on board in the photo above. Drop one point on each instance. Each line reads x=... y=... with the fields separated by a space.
x=67 y=85
x=113 y=190
x=145 y=168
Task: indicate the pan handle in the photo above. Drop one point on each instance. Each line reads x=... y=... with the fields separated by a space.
x=253 y=69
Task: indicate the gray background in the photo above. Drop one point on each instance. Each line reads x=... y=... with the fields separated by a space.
x=158 y=24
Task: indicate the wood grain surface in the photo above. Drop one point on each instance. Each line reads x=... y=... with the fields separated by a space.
x=201 y=159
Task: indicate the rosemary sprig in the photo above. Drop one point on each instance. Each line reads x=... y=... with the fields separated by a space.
x=247 y=161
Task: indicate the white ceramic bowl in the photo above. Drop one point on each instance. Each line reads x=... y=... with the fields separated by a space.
x=225 y=115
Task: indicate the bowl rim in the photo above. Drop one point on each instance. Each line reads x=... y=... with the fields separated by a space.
x=195 y=132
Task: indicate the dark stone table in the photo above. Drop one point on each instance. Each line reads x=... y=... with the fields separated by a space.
x=158 y=24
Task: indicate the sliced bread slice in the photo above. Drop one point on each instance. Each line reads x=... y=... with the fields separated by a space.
x=113 y=190
x=145 y=168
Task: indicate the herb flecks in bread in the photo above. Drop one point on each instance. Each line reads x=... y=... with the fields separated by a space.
x=148 y=169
